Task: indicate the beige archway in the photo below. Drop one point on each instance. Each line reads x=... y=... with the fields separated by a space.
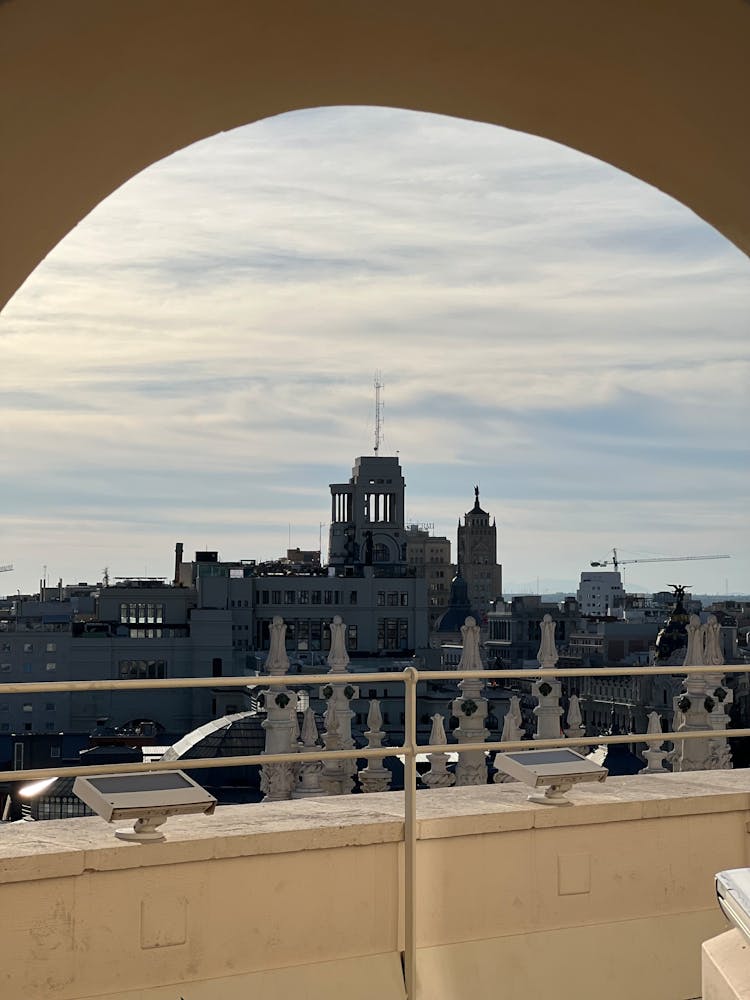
x=92 y=92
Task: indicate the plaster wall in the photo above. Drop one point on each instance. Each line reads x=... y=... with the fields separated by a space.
x=613 y=897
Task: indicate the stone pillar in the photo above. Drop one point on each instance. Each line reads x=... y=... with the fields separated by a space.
x=308 y=784
x=375 y=777
x=720 y=697
x=655 y=755
x=336 y=775
x=548 y=711
x=575 y=719
x=512 y=730
x=341 y=694
x=695 y=706
x=471 y=710
x=277 y=781
x=438 y=776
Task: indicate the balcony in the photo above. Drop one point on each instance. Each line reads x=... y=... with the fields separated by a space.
x=302 y=899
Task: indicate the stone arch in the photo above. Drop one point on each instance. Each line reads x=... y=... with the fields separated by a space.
x=92 y=93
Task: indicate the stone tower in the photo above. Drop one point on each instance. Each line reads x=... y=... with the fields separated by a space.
x=367 y=515
x=477 y=557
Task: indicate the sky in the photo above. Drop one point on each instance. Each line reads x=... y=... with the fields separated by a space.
x=195 y=361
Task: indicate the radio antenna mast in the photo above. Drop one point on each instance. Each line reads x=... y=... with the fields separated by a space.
x=378 y=411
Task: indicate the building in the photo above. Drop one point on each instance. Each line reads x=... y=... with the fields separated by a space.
x=601 y=593
x=514 y=628
x=477 y=557
x=430 y=556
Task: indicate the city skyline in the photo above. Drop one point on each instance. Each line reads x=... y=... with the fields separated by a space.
x=195 y=361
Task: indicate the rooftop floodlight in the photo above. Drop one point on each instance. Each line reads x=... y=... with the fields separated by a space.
x=733 y=894
x=148 y=797
x=559 y=770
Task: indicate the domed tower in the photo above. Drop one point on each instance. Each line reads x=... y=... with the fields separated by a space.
x=477 y=557
x=673 y=636
x=459 y=607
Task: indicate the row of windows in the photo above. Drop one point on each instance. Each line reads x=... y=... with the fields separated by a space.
x=157 y=633
x=50 y=727
x=304 y=597
x=49 y=706
x=392 y=598
x=306 y=634
x=239 y=604
x=28 y=647
x=137 y=613
x=142 y=669
x=27 y=668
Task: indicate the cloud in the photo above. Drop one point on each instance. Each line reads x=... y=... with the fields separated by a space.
x=198 y=354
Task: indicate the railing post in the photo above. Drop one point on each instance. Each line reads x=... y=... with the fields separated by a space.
x=411 y=676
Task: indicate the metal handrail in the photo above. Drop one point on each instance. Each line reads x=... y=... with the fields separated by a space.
x=410 y=678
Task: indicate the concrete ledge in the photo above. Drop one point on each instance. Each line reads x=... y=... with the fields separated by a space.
x=60 y=848
x=726 y=967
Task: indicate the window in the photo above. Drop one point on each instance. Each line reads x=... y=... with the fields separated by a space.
x=142 y=669
x=303 y=634
x=290 y=597
x=141 y=614
x=216 y=666
x=27 y=707
x=264 y=596
x=4 y=647
x=51 y=666
x=54 y=751
x=315 y=595
x=351 y=637
x=28 y=647
x=5 y=668
x=373 y=693
x=27 y=727
x=49 y=726
x=328 y=597
x=404 y=599
x=275 y=597
x=49 y=706
x=51 y=647
x=352 y=596
x=304 y=597
x=380 y=601
x=393 y=599
x=27 y=668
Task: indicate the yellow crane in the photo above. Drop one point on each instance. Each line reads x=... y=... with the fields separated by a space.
x=614 y=561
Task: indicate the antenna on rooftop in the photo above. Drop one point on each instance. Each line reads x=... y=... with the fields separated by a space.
x=378 y=411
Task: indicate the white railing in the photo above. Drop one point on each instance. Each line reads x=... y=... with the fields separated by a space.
x=409 y=677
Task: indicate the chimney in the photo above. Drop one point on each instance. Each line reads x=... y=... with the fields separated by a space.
x=177 y=563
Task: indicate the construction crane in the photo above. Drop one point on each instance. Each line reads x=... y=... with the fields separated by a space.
x=6 y=569
x=614 y=561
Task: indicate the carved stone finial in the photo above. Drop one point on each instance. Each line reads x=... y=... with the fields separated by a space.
x=438 y=776
x=277 y=662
